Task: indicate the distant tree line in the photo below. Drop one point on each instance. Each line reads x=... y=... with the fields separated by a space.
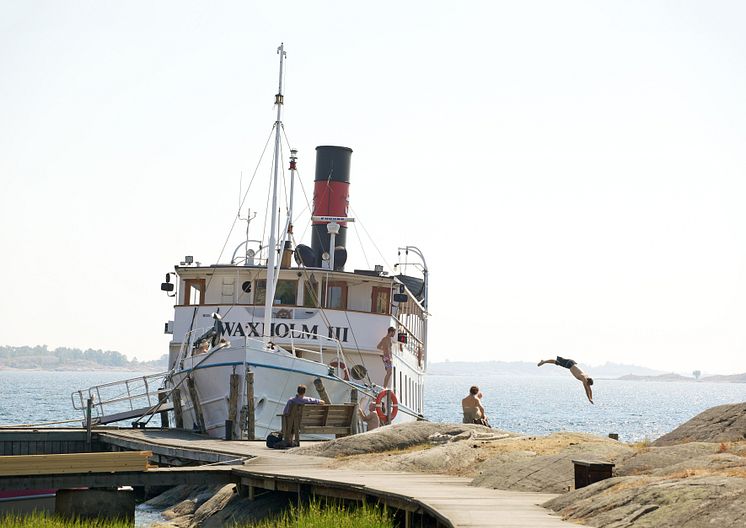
x=41 y=357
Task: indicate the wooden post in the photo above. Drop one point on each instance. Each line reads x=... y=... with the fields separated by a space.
x=321 y=390
x=88 y=424
x=250 y=418
x=233 y=404
x=356 y=425
x=196 y=405
x=178 y=417
x=162 y=397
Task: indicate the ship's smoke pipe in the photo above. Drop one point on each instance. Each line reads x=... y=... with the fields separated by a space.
x=331 y=196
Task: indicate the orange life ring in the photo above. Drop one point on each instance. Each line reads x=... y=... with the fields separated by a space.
x=394 y=405
x=340 y=364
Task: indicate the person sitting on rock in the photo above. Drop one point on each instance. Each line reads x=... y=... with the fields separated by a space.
x=575 y=371
x=472 y=407
x=371 y=419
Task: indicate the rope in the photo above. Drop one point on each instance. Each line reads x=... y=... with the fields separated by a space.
x=359 y=221
x=243 y=200
x=362 y=247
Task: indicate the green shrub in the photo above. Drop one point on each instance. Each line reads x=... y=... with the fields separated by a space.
x=43 y=520
x=330 y=515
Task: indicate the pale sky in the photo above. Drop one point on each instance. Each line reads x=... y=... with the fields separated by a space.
x=573 y=171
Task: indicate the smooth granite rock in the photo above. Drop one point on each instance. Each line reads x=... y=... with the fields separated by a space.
x=646 y=502
x=724 y=423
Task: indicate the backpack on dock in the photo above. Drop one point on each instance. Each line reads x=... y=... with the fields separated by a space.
x=274 y=440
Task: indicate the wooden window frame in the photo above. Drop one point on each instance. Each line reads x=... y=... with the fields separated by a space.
x=336 y=284
x=377 y=290
x=201 y=287
x=257 y=289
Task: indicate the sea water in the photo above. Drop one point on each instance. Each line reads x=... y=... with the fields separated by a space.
x=635 y=410
x=532 y=405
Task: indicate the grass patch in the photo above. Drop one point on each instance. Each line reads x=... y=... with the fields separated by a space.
x=642 y=446
x=43 y=520
x=329 y=515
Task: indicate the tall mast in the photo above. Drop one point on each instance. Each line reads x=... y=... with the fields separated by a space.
x=272 y=247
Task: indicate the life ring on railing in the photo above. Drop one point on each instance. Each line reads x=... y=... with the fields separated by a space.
x=379 y=405
x=340 y=364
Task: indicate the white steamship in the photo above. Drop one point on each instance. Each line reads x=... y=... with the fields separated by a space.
x=287 y=314
x=294 y=315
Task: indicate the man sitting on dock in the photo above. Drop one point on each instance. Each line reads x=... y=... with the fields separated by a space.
x=291 y=418
x=300 y=399
x=572 y=365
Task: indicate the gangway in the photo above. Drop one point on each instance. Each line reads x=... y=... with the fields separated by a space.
x=136 y=398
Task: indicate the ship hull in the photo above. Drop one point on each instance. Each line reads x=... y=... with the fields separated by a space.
x=276 y=375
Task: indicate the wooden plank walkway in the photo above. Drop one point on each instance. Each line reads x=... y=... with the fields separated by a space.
x=450 y=499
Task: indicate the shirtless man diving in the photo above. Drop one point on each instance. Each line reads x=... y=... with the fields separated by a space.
x=575 y=371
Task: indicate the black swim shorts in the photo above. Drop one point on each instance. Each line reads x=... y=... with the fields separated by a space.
x=567 y=363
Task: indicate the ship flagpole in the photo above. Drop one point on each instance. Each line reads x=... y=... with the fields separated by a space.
x=272 y=246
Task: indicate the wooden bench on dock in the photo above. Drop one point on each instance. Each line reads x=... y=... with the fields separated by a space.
x=336 y=419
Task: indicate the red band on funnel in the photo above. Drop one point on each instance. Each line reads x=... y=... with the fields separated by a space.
x=331 y=198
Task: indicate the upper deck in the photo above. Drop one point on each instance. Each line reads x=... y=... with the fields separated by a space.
x=354 y=307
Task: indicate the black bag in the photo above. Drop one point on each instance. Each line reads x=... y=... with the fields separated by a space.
x=274 y=440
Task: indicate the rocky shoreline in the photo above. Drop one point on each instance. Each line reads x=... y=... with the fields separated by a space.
x=694 y=476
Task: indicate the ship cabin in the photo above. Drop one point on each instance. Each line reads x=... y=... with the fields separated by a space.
x=355 y=308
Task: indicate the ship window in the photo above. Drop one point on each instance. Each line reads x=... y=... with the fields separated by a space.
x=336 y=295
x=194 y=291
x=381 y=300
x=286 y=292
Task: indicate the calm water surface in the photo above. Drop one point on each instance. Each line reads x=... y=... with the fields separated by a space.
x=532 y=405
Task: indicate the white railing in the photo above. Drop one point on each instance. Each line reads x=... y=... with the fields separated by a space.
x=120 y=396
x=338 y=364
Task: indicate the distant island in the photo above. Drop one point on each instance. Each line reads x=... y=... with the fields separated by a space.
x=732 y=378
x=616 y=371
x=63 y=358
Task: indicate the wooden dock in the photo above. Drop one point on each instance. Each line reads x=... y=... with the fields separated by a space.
x=450 y=501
